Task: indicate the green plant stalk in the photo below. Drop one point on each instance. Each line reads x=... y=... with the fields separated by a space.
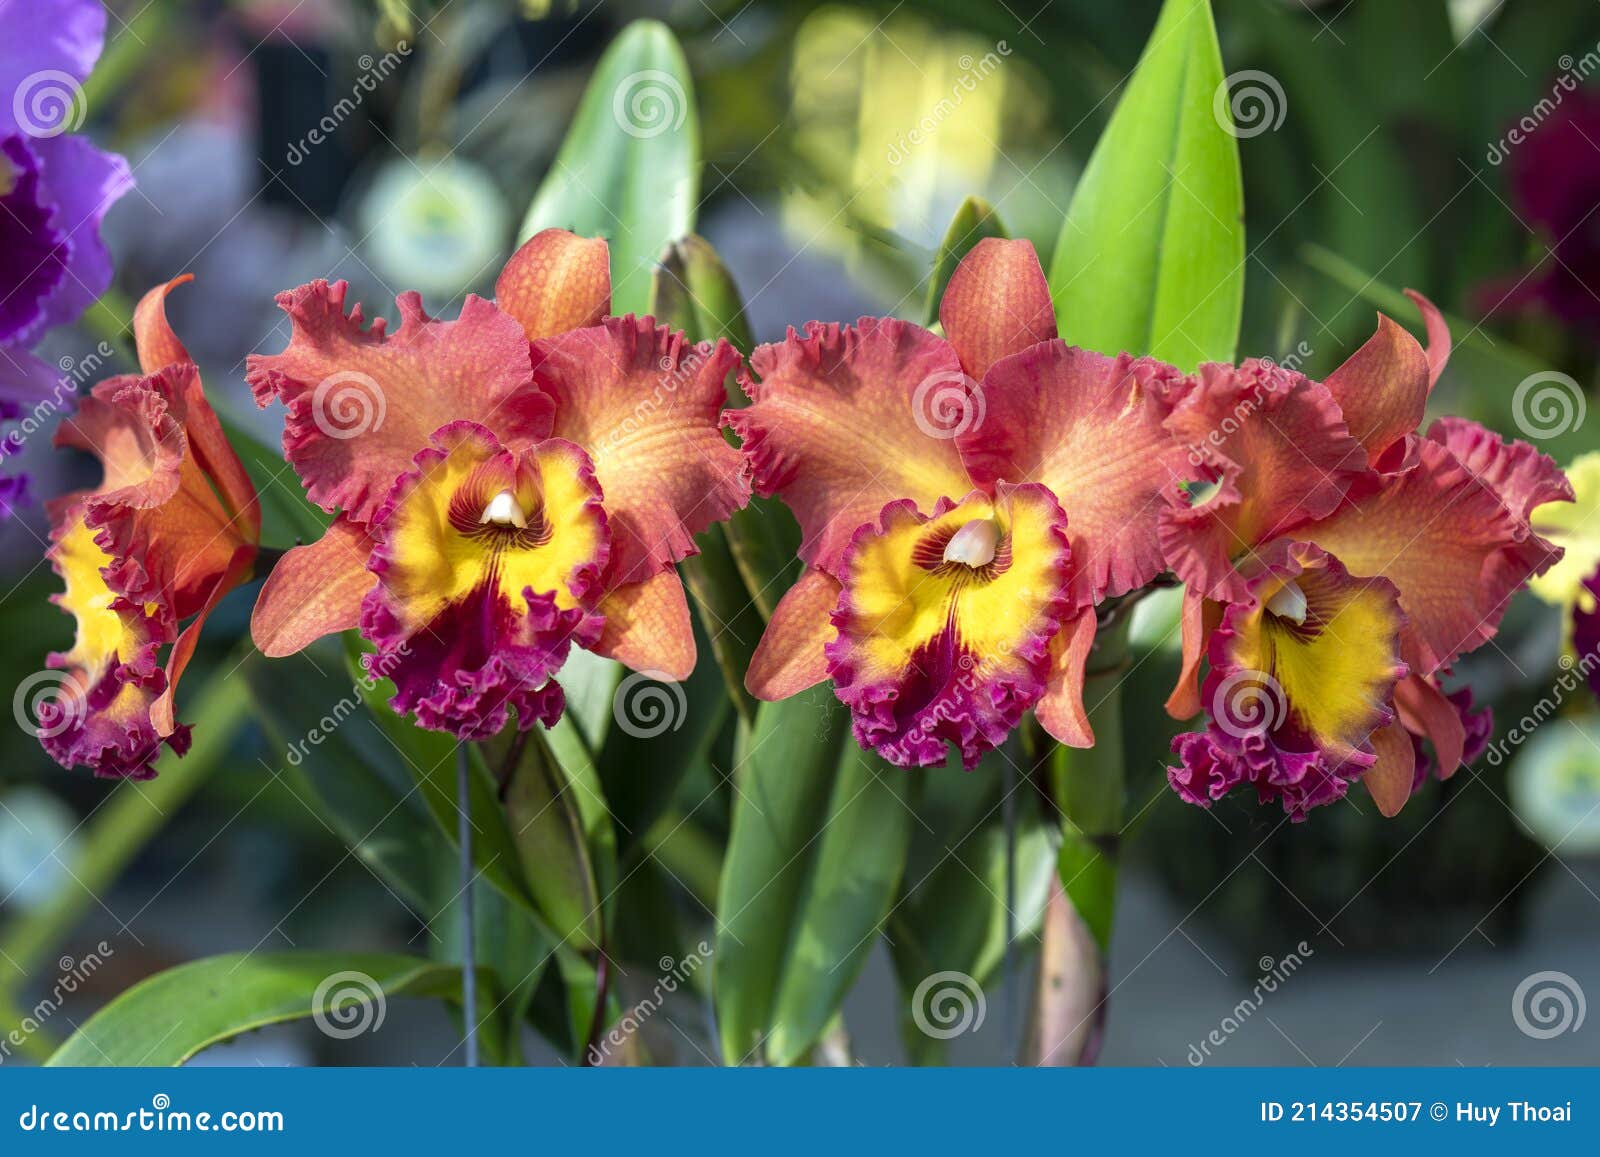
x=125 y=824
x=1087 y=785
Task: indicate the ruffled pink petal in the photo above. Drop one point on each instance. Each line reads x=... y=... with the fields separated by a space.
x=1090 y=428
x=1276 y=448
x=1443 y=536
x=555 y=282
x=996 y=304
x=846 y=419
x=645 y=404
x=790 y=656
x=1520 y=475
x=361 y=403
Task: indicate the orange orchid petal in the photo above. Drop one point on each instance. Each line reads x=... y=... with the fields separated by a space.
x=557 y=281
x=996 y=304
x=648 y=628
x=1090 y=428
x=1389 y=779
x=314 y=590
x=1427 y=712
x=1382 y=388
x=162 y=712
x=789 y=657
x=157 y=344
x=1201 y=616
x=1061 y=711
x=645 y=405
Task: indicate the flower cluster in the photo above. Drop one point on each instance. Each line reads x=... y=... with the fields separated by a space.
x=1336 y=560
x=524 y=479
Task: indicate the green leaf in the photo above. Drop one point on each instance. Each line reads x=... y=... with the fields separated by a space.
x=692 y=290
x=169 y=1017
x=1150 y=259
x=816 y=852
x=728 y=615
x=974 y=220
x=629 y=169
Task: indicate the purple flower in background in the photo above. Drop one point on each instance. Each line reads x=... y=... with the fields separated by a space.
x=54 y=189
x=1555 y=188
x=1586 y=630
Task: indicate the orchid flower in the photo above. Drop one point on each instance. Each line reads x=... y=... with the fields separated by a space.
x=1336 y=564
x=173 y=526
x=964 y=503
x=1573 y=584
x=507 y=485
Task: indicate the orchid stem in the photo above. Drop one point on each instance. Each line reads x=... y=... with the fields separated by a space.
x=469 y=938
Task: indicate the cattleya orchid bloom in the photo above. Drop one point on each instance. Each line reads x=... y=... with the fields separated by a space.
x=506 y=485
x=1336 y=564
x=964 y=503
x=173 y=526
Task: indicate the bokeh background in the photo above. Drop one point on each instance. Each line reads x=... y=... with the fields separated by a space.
x=1377 y=158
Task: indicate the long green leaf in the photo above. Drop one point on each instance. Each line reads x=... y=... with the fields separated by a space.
x=817 y=849
x=629 y=169
x=1150 y=259
x=169 y=1017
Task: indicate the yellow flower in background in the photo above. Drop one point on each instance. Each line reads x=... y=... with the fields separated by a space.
x=1576 y=527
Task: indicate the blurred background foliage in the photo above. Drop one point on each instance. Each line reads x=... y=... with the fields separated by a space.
x=827 y=195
